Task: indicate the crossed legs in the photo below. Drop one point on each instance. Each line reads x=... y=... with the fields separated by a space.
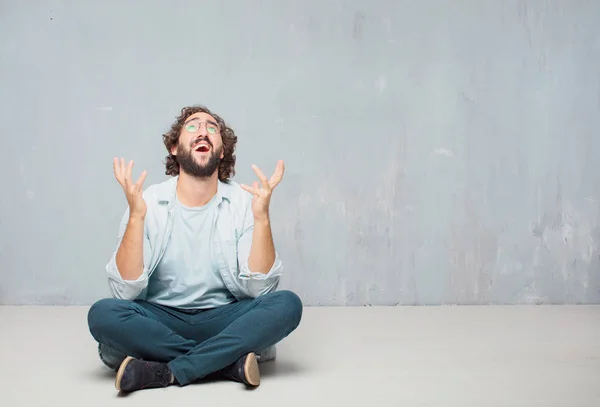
x=194 y=345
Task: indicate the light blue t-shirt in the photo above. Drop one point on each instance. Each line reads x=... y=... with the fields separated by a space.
x=187 y=276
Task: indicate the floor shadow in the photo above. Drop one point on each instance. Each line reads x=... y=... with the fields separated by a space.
x=122 y=394
x=267 y=369
x=103 y=374
x=279 y=368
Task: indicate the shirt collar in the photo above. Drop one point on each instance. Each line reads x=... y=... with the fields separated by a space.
x=167 y=195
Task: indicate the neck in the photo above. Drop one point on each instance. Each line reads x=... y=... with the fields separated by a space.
x=194 y=191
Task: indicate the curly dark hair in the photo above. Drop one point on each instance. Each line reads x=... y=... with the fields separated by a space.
x=171 y=138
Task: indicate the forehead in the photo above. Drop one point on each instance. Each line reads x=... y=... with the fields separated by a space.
x=202 y=117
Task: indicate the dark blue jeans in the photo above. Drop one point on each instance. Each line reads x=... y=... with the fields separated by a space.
x=194 y=344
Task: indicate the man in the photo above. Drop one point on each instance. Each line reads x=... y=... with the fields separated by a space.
x=195 y=271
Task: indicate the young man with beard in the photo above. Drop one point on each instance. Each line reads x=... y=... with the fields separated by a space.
x=195 y=271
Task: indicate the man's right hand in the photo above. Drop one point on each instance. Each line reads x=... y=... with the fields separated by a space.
x=133 y=191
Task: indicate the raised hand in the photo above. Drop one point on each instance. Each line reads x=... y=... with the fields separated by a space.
x=262 y=194
x=133 y=191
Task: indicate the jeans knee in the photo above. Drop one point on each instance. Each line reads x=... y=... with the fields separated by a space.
x=292 y=305
x=99 y=316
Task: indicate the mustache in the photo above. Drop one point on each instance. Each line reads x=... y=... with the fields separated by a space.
x=199 y=140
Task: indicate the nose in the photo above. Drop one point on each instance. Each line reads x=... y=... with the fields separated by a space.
x=203 y=131
x=201 y=136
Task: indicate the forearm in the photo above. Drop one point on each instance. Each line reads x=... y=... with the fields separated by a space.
x=130 y=255
x=262 y=250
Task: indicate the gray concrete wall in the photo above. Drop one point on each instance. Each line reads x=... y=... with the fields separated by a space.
x=437 y=152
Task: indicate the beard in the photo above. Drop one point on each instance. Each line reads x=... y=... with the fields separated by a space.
x=189 y=165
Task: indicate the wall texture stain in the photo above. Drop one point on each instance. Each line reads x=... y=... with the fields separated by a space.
x=431 y=158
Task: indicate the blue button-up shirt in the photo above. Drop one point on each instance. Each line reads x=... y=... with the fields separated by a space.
x=231 y=240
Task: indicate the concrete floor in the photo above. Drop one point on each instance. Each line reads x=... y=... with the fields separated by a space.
x=402 y=356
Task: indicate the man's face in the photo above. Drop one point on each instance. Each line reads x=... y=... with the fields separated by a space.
x=200 y=147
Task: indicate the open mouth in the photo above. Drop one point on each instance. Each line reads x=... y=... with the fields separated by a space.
x=203 y=148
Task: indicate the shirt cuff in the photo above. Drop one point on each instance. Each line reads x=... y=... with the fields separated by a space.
x=274 y=272
x=124 y=289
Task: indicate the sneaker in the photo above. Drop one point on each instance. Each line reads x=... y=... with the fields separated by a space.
x=134 y=374
x=245 y=370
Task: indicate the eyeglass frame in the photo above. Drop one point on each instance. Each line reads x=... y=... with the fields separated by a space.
x=196 y=119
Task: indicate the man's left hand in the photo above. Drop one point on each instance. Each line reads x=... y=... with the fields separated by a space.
x=262 y=194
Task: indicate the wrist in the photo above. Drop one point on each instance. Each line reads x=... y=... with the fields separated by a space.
x=136 y=218
x=261 y=220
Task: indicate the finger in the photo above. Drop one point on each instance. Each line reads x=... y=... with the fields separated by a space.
x=277 y=175
x=122 y=170
x=253 y=191
x=128 y=173
x=116 y=169
x=262 y=177
x=140 y=181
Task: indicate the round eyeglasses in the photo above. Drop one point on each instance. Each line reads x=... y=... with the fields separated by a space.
x=194 y=126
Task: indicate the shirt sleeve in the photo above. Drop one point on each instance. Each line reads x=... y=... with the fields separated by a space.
x=127 y=289
x=257 y=283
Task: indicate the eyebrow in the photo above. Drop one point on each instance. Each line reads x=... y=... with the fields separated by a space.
x=198 y=119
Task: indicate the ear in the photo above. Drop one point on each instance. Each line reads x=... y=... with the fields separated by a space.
x=174 y=150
